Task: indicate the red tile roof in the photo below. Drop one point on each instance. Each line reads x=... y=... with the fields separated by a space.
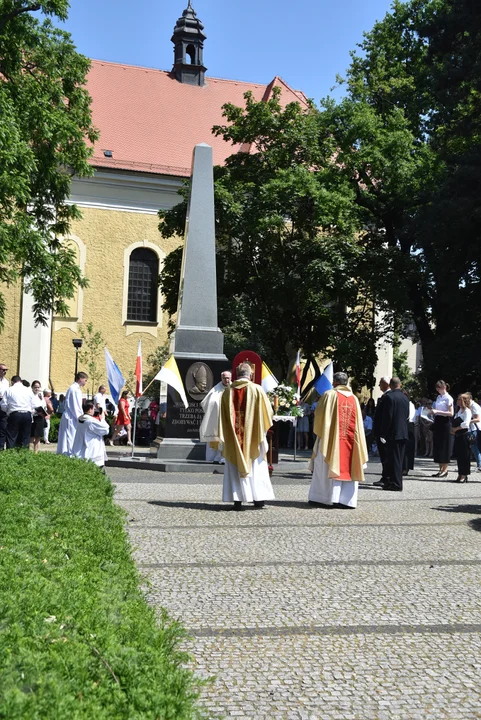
x=151 y=122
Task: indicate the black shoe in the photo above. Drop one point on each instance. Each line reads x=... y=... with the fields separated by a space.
x=237 y=506
x=378 y=483
x=259 y=504
x=392 y=488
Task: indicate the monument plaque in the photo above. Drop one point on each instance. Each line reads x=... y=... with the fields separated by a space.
x=185 y=422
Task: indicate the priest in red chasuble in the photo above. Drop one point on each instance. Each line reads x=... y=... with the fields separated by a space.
x=340 y=452
x=245 y=418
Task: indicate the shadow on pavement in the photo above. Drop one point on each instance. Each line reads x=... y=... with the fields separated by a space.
x=471 y=509
x=211 y=507
x=190 y=505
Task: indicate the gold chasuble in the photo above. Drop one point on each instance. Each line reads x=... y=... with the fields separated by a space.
x=339 y=426
x=245 y=417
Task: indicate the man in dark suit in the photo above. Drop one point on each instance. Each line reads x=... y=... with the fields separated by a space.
x=376 y=427
x=394 y=433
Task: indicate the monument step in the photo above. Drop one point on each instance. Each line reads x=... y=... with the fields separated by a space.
x=179 y=449
x=167 y=466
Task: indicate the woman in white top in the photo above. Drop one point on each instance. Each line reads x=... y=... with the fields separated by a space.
x=460 y=430
x=443 y=413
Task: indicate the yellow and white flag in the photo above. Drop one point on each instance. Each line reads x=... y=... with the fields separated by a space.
x=169 y=373
x=268 y=381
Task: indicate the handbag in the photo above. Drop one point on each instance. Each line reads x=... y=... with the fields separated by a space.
x=472 y=437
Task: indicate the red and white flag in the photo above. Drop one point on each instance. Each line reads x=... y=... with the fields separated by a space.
x=138 y=371
x=298 y=373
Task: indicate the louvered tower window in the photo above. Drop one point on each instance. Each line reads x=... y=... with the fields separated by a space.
x=143 y=278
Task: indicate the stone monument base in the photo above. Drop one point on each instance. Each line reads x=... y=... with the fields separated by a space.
x=181 y=449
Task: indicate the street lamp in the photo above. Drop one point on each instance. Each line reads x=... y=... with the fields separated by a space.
x=77 y=343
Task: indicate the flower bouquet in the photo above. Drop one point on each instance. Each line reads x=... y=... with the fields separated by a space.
x=284 y=400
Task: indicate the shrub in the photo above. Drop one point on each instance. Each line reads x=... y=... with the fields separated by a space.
x=77 y=638
x=54 y=426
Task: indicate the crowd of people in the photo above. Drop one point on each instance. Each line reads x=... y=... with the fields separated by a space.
x=26 y=412
x=237 y=417
x=395 y=428
x=441 y=429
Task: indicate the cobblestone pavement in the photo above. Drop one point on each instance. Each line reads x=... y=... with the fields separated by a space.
x=308 y=613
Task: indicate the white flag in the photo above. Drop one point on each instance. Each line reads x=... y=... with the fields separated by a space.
x=170 y=374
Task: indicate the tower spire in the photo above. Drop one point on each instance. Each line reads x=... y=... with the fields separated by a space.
x=188 y=39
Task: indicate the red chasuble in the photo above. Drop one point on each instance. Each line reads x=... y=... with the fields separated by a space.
x=346 y=409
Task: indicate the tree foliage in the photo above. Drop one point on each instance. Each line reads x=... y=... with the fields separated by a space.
x=287 y=242
x=45 y=138
x=409 y=141
x=91 y=355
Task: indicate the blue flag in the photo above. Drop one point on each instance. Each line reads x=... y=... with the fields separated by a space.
x=324 y=382
x=114 y=376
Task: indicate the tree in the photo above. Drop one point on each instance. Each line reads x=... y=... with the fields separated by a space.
x=409 y=143
x=46 y=136
x=288 y=246
x=91 y=355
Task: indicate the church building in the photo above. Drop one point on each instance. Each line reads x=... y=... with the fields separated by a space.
x=149 y=122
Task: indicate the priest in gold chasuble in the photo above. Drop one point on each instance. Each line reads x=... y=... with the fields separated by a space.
x=245 y=418
x=340 y=453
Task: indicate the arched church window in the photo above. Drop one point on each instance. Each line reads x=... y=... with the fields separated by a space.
x=143 y=285
x=190 y=54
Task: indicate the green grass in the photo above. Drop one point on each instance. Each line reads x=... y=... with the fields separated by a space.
x=77 y=638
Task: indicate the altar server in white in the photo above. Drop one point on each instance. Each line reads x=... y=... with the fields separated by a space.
x=73 y=410
x=89 y=437
x=245 y=417
x=209 y=430
x=340 y=452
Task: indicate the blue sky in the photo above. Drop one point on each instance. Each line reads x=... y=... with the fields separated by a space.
x=306 y=42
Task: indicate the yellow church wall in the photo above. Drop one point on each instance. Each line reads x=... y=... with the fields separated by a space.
x=10 y=335
x=105 y=235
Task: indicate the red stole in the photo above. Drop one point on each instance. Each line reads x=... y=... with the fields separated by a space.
x=346 y=409
x=239 y=413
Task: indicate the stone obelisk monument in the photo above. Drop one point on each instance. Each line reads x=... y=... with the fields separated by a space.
x=197 y=344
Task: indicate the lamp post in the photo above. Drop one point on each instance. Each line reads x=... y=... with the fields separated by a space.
x=77 y=343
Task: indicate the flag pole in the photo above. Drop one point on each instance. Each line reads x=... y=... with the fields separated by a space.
x=298 y=398
x=295 y=439
x=135 y=427
x=150 y=383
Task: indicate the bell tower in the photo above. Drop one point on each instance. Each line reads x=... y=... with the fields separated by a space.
x=188 y=40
